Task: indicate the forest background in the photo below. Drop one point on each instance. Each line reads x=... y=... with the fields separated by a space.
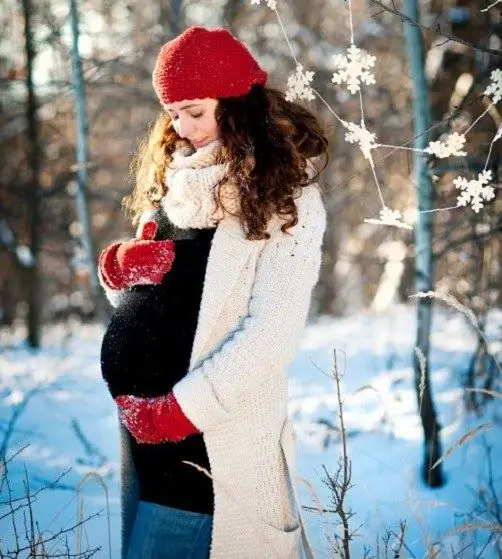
x=57 y=210
x=118 y=45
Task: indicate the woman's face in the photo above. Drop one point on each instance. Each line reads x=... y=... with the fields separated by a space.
x=195 y=120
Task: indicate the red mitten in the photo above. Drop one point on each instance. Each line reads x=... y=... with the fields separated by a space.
x=139 y=261
x=155 y=420
x=109 y=269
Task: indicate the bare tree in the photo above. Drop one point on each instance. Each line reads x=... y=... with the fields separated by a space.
x=34 y=198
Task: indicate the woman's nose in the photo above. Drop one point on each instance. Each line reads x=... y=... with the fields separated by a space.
x=185 y=128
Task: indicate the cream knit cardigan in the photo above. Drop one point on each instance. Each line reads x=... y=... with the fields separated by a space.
x=254 y=305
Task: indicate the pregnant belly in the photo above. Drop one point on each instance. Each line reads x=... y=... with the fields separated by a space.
x=143 y=352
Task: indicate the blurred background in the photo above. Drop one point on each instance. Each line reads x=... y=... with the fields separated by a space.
x=119 y=41
x=70 y=123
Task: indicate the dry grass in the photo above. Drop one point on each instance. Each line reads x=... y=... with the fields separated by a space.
x=422 y=362
x=462 y=440
x=29 y=539
x=452 y=302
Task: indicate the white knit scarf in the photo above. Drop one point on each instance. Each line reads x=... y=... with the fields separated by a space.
x=192 y=178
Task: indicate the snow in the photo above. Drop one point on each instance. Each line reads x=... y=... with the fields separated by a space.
x=69 y=421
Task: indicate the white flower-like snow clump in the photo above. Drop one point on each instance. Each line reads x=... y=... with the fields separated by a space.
x=390 y=217
x=475 y=191
x=495 y=87
x=353 y=68
x=272 y=4
x=360 y=135
x=452 y=145
x=299 y=85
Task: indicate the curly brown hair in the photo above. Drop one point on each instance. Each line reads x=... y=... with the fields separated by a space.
x=266 y=141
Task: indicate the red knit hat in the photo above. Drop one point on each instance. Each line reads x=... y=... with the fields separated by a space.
x=202 y=63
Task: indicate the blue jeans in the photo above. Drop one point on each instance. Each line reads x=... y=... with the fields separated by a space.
x=160 y=532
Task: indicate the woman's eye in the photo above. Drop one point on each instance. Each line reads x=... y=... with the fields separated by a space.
x=176 y=117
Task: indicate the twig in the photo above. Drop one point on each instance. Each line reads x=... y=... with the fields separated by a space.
x=89 y=448
x=14 y=418
x=436 y=29
x=401 y=542
x=340 y=483
x=65 y=531
x=494 y=232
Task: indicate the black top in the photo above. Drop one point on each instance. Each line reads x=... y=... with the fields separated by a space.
x=146 y=350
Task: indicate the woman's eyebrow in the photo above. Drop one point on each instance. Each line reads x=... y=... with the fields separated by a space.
x=185 y=107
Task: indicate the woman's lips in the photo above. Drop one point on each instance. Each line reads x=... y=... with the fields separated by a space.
x=199 y=143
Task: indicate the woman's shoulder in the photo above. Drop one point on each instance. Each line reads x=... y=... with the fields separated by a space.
x=311 y=212
x=310 y=199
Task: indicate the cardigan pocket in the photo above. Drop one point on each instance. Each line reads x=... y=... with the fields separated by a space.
x=280 y=521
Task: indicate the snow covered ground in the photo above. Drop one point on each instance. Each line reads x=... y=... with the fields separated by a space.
x=69 y=421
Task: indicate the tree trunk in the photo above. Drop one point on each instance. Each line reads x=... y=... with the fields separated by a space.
x=34 y=197
x=423 y=243
x=82 y=202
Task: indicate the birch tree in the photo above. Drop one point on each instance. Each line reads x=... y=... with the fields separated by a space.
x=424 y=234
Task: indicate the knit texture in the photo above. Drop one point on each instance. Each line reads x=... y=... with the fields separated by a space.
x=193 y=178
x=255 y=302
x=205 y=63
x=254 y=307
x=154 y=420
x=139 y=261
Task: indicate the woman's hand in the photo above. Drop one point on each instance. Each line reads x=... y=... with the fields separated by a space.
x=140 y=261
x=154 y=420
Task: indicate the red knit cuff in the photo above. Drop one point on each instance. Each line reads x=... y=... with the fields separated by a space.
x=109 y=269
x=179 y=425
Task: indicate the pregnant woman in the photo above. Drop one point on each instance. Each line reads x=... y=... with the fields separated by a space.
x=211 y=298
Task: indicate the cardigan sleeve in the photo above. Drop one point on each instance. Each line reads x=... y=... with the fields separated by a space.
x=287 y=270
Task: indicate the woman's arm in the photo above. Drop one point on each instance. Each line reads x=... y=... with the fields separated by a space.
x=287 y=271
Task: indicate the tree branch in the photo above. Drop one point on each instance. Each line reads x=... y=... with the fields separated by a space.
x=468 y=239
x=436 y=29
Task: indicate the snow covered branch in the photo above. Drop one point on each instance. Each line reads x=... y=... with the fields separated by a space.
x=437 y=29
